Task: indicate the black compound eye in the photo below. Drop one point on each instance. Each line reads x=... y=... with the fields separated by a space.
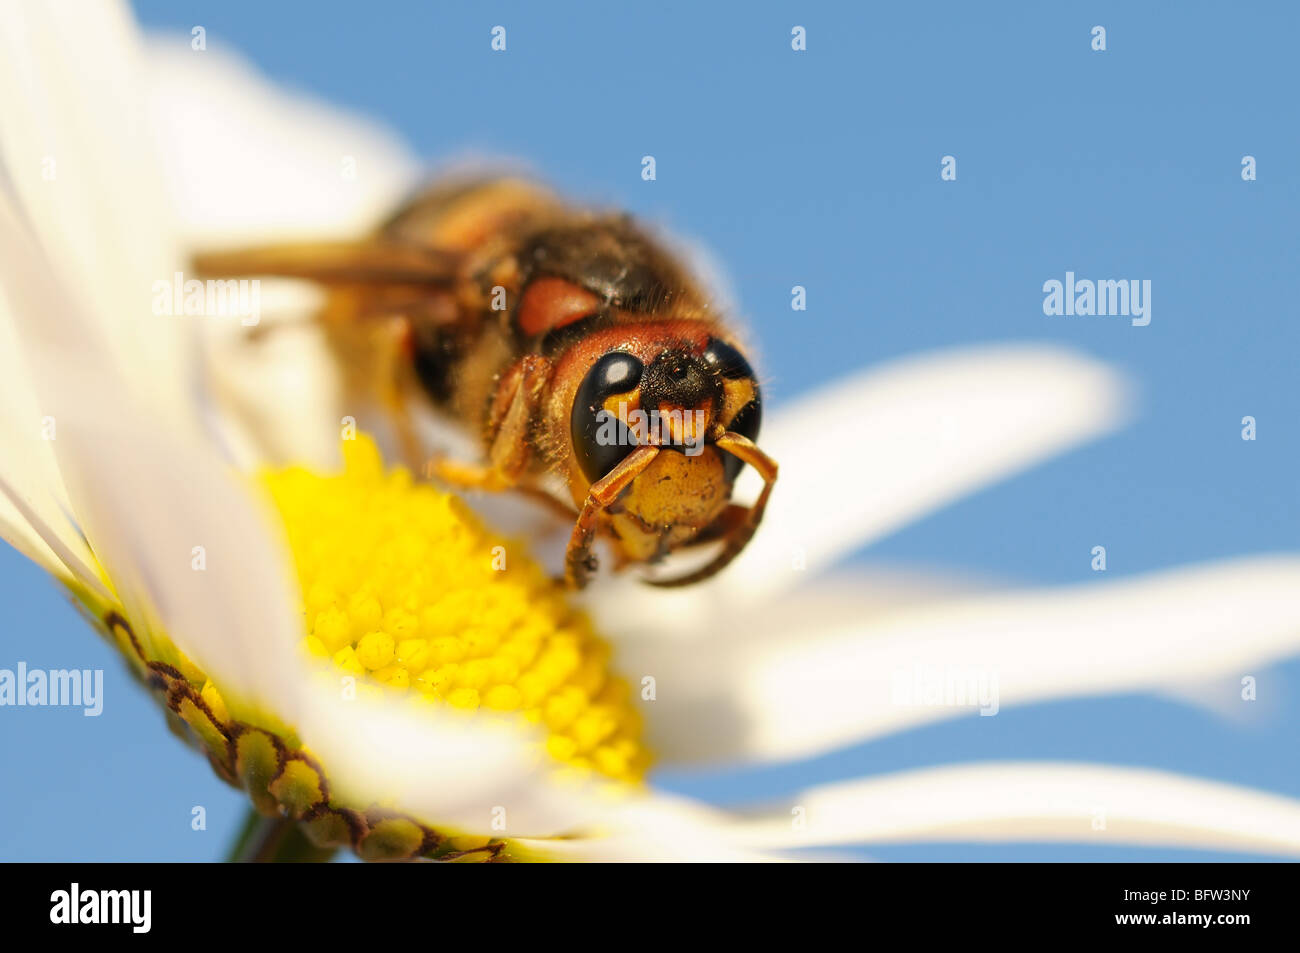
x=731 y=364
x=746 y=423
x=600 y=440
x=727 y=360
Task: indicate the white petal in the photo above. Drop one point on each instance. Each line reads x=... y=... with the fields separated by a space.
x=145 y=493
x=473 y=774
x=75 y=158
x=654 y=828
x=36 y=514
x=462 y=772
x=279 y=394
x=34 y=511
x=1048 y=802
x=59 y=550
x=245 y=161
x=628 y=611
x=1220 y=696
x=869 y=454
x=771 y=686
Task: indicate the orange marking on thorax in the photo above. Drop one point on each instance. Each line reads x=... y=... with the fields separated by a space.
x=552 y=303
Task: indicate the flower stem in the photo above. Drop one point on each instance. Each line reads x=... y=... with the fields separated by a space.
x=274 y=840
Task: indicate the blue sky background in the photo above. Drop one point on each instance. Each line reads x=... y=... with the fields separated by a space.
x=821 y=168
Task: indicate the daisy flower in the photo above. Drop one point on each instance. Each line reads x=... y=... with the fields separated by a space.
x=340 y=639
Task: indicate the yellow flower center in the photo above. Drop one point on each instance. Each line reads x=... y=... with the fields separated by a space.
x=406 y=590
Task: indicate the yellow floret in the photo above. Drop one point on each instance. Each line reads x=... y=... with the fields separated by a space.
x=400 y=588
